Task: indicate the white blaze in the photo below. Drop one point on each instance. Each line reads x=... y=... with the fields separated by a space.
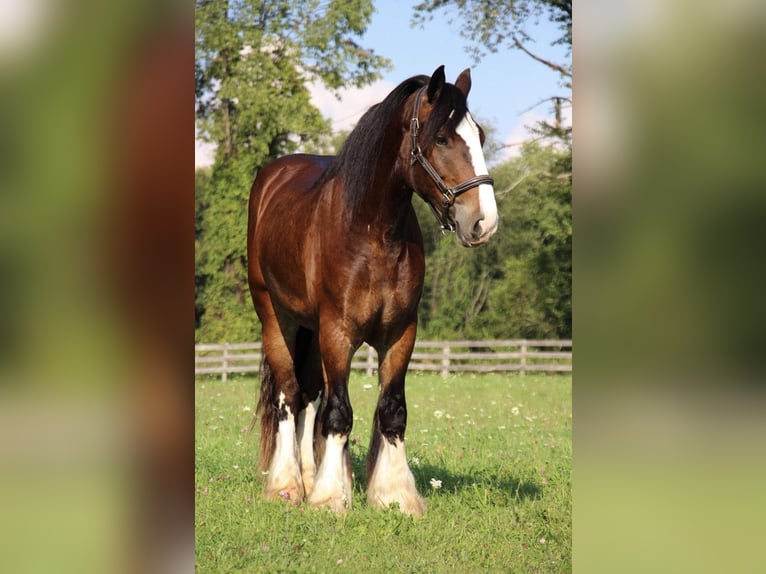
x=469 y=131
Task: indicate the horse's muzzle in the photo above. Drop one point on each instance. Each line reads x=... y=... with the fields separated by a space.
x=479 y=234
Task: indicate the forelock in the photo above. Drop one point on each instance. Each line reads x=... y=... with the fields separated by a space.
x=447 y=113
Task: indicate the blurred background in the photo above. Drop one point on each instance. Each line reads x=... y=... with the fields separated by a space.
x=669 y=214
x=97 y=264
x=96 y=272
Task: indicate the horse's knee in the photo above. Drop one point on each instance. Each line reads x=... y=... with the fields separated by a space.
x=337 y=416
x=392 y=416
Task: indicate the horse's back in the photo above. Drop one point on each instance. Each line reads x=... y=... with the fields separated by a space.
x=297 y=173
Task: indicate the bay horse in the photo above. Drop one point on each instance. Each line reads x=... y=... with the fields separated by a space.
x=335 y=259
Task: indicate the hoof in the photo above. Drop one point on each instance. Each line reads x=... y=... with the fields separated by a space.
x=408 y=503
x=339 y=504
x=308 y=483
x=293 y=493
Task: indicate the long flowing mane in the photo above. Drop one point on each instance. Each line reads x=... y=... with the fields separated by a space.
x=360 y=153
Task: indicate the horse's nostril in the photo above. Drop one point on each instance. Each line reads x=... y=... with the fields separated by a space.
x=477 y=230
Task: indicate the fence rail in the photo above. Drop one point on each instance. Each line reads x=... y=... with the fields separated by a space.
x=514 y=355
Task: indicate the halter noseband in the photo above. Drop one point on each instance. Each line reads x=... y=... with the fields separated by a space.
x=449 y=194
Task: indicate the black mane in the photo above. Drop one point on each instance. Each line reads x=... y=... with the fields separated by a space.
x=360 y=153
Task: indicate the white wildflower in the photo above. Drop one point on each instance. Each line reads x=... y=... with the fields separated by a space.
x=515 y=411
x=436 y=484
x=438 y=414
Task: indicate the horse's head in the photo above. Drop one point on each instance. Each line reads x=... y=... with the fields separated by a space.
x=447 y=167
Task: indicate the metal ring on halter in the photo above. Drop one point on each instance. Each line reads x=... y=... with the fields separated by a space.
x=449 y=194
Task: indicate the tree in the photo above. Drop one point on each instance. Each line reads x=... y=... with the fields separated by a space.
x=495 y=24
x=253 y=61
x=519 y=284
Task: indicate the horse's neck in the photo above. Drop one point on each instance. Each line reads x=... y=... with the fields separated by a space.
x=389 y=200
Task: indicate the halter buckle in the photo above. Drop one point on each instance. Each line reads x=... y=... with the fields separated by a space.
x=416 y=152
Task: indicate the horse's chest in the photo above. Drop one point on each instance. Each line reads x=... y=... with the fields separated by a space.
x=387 y=302
x=375 y=288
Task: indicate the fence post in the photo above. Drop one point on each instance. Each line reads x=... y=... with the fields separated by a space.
x=445 y=361
x=370 y=361
x=225 y=363
x=523 y=357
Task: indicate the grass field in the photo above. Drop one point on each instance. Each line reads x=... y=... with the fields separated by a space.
x=499 y=446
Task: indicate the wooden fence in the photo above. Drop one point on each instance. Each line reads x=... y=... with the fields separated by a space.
x=445 y=357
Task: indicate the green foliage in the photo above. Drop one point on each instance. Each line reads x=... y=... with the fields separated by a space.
x=496 y=24
x=501 y=445
x=223 y=309
x=519 y=284
x=253 y=62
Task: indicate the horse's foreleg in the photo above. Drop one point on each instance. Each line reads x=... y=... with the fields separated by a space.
x=389 y=478
x=332 y=486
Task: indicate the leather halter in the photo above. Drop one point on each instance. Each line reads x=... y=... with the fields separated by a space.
x=449 y=194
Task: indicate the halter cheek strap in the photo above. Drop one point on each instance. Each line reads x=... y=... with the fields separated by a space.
x=449 y=194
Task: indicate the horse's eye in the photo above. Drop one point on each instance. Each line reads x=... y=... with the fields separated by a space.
x=441 y=140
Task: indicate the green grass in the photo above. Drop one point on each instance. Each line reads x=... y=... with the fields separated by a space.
x=500 y=444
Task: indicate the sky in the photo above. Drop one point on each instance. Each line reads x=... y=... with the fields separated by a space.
x=506 y=86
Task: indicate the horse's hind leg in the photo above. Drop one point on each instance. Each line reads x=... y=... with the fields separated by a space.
x=309 y=373
x=279 y=405
x=389 y=478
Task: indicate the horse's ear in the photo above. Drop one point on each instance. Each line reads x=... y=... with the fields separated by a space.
x=463 y=82
x=436 y=84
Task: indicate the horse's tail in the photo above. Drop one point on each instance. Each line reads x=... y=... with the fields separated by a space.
x=267 y=412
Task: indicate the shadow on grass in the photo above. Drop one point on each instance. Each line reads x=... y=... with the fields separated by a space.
x=502 y=488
